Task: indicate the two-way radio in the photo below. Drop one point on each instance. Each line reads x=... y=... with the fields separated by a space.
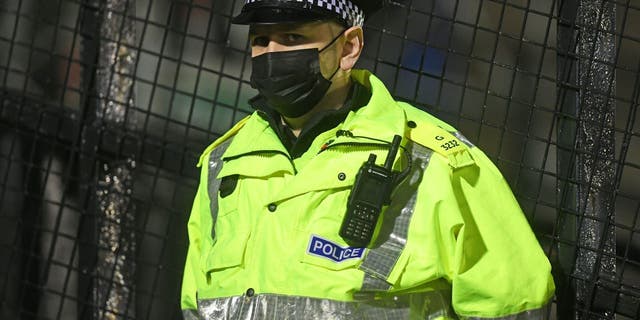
x=370 y=192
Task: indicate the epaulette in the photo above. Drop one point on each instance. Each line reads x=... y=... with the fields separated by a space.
x=442 y=142
x=232 y=132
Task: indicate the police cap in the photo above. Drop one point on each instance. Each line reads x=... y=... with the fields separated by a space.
x=347 y=12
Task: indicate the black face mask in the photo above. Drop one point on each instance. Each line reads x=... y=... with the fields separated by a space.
x=290 y=82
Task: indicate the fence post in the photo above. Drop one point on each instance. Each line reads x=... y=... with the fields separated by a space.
x=564 y=258
x=586 y=152
x=109 y=58
x=90 y=14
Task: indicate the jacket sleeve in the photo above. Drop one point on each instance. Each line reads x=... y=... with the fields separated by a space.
x=192 y=270
x=499 y=269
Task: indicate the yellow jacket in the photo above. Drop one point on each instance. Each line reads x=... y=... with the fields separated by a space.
x=264 y=240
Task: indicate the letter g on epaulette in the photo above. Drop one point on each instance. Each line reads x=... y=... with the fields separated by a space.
x=442 y=142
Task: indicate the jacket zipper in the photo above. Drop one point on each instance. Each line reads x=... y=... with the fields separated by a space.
x=372 y=145
x=263 y=153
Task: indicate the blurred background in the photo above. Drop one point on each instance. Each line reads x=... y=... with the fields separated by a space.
x=105 y=106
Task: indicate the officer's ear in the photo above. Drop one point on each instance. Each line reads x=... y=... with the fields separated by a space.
x=352 y=48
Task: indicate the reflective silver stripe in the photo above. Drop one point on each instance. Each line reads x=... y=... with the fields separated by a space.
x=392 y=239
x=535 y=314
x=426 y=305
x=462 y=138
x=213 y=185
x=190 y=314
x=371 y=283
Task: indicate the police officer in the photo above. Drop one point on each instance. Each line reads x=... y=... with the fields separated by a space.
x=272 y=226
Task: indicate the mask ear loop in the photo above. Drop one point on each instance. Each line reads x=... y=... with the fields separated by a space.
x=334 y=73
x=333 y=41
x=329 y=45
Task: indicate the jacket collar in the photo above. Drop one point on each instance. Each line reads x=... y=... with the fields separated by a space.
x=381 y=109
x=322 y=121
x=257 y=139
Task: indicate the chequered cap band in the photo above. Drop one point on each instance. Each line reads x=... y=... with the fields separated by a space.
x=346 y=9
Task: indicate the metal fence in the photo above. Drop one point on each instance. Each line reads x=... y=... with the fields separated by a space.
x=105 y=106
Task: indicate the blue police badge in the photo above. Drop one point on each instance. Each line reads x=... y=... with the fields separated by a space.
x=329 y=250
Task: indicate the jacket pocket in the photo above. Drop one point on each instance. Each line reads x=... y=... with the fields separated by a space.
x=230 y=243
x=325 y=248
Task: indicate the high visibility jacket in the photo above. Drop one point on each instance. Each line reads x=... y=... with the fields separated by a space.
x=453 y=243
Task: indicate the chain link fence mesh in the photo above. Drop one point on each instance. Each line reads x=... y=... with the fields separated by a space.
x=105 y=106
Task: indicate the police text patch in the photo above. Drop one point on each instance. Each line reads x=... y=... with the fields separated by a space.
x=327 y=249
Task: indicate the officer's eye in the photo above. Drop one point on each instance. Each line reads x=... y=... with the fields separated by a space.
x=293 y=38
x=260 y=41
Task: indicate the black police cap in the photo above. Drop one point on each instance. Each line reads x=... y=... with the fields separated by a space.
x=347 y=12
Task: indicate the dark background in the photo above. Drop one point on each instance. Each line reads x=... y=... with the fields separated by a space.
x=490 y=68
